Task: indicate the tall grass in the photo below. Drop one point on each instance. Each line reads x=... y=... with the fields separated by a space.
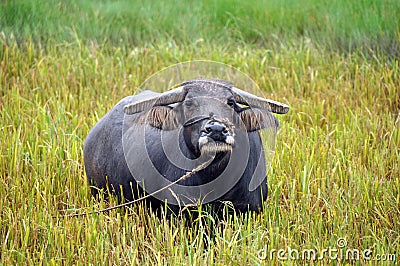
x=335 y=174
x=338 y=25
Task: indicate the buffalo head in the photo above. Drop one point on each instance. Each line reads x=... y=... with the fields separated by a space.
x=209 y=112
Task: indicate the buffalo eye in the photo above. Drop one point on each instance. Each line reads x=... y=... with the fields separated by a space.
x=231 y=103
x=190 y=103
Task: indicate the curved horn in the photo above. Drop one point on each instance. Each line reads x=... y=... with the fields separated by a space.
x=246 y=98
x=165 y=98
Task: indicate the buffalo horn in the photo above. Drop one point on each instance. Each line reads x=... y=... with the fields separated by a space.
x=166 y=98
x=251 y=100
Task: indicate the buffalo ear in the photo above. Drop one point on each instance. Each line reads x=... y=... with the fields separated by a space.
x=257 y=118
x=161 y=117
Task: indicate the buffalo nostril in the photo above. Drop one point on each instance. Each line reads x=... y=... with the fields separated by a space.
x=215 y=127
x=218 y=132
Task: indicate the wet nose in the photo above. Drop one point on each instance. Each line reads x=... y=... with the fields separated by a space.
x=216 y=130
x=215 y=127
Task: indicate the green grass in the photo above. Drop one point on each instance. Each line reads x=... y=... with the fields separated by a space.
x=337 y=164
x=338 y=25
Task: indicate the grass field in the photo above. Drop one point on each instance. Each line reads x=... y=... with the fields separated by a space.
x=335 y=175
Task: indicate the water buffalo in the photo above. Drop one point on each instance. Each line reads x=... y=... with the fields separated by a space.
x=151 y=139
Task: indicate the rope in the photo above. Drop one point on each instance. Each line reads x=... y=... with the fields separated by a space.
x=188 y=174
